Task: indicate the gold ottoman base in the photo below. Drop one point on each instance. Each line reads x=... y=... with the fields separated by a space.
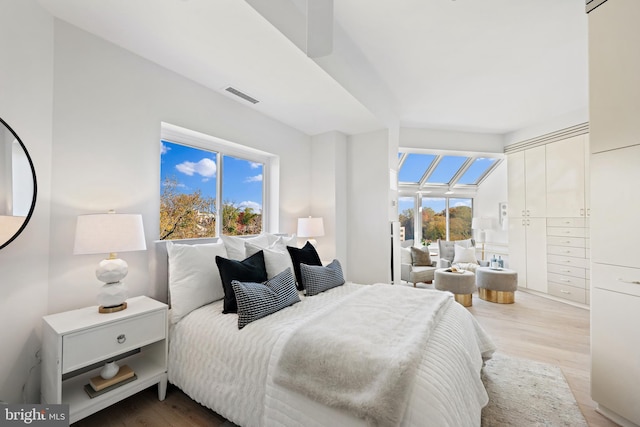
x=464 y=299
x=500 y=297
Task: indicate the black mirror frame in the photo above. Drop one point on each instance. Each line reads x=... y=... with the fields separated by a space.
x=35 y=186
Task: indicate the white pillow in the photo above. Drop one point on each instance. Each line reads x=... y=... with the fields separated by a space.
x=235 y=245
x=462 y=254
x=276 y=260
x=194 y=279
x=405 y=256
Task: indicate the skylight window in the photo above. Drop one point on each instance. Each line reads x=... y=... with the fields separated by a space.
x=414 y=167
x=446 y=169
x=477 y=170
x=441 y=174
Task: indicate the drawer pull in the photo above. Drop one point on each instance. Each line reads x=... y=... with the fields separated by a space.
x=633 y=282
x=565 y=292
x=121 y=338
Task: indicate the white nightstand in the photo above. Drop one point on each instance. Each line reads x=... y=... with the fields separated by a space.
x=77 y=343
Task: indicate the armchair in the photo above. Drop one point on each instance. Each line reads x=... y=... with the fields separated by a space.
x=415 y=273
x=447 y=252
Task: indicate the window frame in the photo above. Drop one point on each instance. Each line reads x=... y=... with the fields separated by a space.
x=270 y=167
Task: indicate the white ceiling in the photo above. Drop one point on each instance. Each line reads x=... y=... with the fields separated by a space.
x=487 y=66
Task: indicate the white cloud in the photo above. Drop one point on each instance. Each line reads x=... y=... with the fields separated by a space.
x=164 y=149
x=205 y=167
x=257 y=178
x=257 y=207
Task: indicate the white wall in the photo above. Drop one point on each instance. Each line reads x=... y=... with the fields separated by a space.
x=107 y=112
x=369 y=231
x=328 y=164
x=26 y=64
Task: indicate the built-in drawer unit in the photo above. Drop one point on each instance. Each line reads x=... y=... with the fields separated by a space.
x=97 y=344
x=567 y=270
x=566 y=222
x=576 y=242
x=578 y=282
x=567 y=232
x=571 y=293
x=568 y=261
x=567 y=251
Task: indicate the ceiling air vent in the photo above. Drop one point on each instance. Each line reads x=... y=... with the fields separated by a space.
x=244 y=96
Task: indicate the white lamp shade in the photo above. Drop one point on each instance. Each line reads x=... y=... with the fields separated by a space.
x=310 y=227
x=482 y=223
x=109 y=233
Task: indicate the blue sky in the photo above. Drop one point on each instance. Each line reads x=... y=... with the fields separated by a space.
x=196 y=169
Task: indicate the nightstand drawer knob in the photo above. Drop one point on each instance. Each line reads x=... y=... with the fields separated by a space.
x=121 y=338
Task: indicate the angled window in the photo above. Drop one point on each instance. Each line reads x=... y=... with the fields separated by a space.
x=477 y=170
x=447 y=168
x=413 y=166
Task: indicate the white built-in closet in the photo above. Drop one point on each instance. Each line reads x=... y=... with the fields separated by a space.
x=614 y=86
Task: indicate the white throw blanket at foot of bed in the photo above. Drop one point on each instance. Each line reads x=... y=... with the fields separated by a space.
x=338 y=358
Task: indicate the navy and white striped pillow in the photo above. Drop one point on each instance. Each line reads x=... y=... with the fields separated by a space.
x=258 y=300
x=318 y=279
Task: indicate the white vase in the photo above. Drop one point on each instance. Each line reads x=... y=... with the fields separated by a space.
x=109 y=370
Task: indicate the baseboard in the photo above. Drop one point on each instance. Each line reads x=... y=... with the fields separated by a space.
x=551 y=297
x=608 y=413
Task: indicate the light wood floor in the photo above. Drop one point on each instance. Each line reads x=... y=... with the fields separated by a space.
x=533 y=328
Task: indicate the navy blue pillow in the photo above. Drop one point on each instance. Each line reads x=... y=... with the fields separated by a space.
x=306 y=255
x=251 y=269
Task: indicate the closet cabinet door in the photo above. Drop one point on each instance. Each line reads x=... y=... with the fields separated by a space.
x=615 y=343
x=566 y=178
x=535 y=182
x=614 y=67
x=615 y=211
x=516 y=185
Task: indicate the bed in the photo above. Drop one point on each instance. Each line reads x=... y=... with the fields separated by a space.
x=240 y=374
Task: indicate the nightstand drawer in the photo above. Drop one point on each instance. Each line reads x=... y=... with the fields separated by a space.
x=96 y=344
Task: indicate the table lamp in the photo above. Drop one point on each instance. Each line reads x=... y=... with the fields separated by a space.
x=482 y=224
x=310 y=228
x=110 y=233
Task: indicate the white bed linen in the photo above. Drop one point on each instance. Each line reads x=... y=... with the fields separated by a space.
x=229 y=370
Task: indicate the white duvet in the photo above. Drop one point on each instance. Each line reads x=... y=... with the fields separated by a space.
x=231 y=370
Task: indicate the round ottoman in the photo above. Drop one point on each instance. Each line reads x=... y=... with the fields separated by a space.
x=497 y=285
x=461 y=284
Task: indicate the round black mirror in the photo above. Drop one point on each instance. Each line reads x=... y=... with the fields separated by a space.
x=17 y=185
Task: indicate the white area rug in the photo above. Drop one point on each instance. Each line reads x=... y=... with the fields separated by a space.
x=527 y=393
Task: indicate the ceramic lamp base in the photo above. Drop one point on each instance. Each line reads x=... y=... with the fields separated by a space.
x=112 y=297
x=112 y=309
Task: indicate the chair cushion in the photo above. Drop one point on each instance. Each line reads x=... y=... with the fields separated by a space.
x=420 y=256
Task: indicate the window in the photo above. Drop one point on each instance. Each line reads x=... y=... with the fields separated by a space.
x=460 y=214
x=434 y=219
x=212 y=190
x=440 y=218
x=406 y=209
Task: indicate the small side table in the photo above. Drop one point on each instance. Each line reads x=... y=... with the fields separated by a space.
x=461 y=284
x=497 y=285
x=76 y=344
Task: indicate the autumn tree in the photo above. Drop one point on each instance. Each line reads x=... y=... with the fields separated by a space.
x=184 y=216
